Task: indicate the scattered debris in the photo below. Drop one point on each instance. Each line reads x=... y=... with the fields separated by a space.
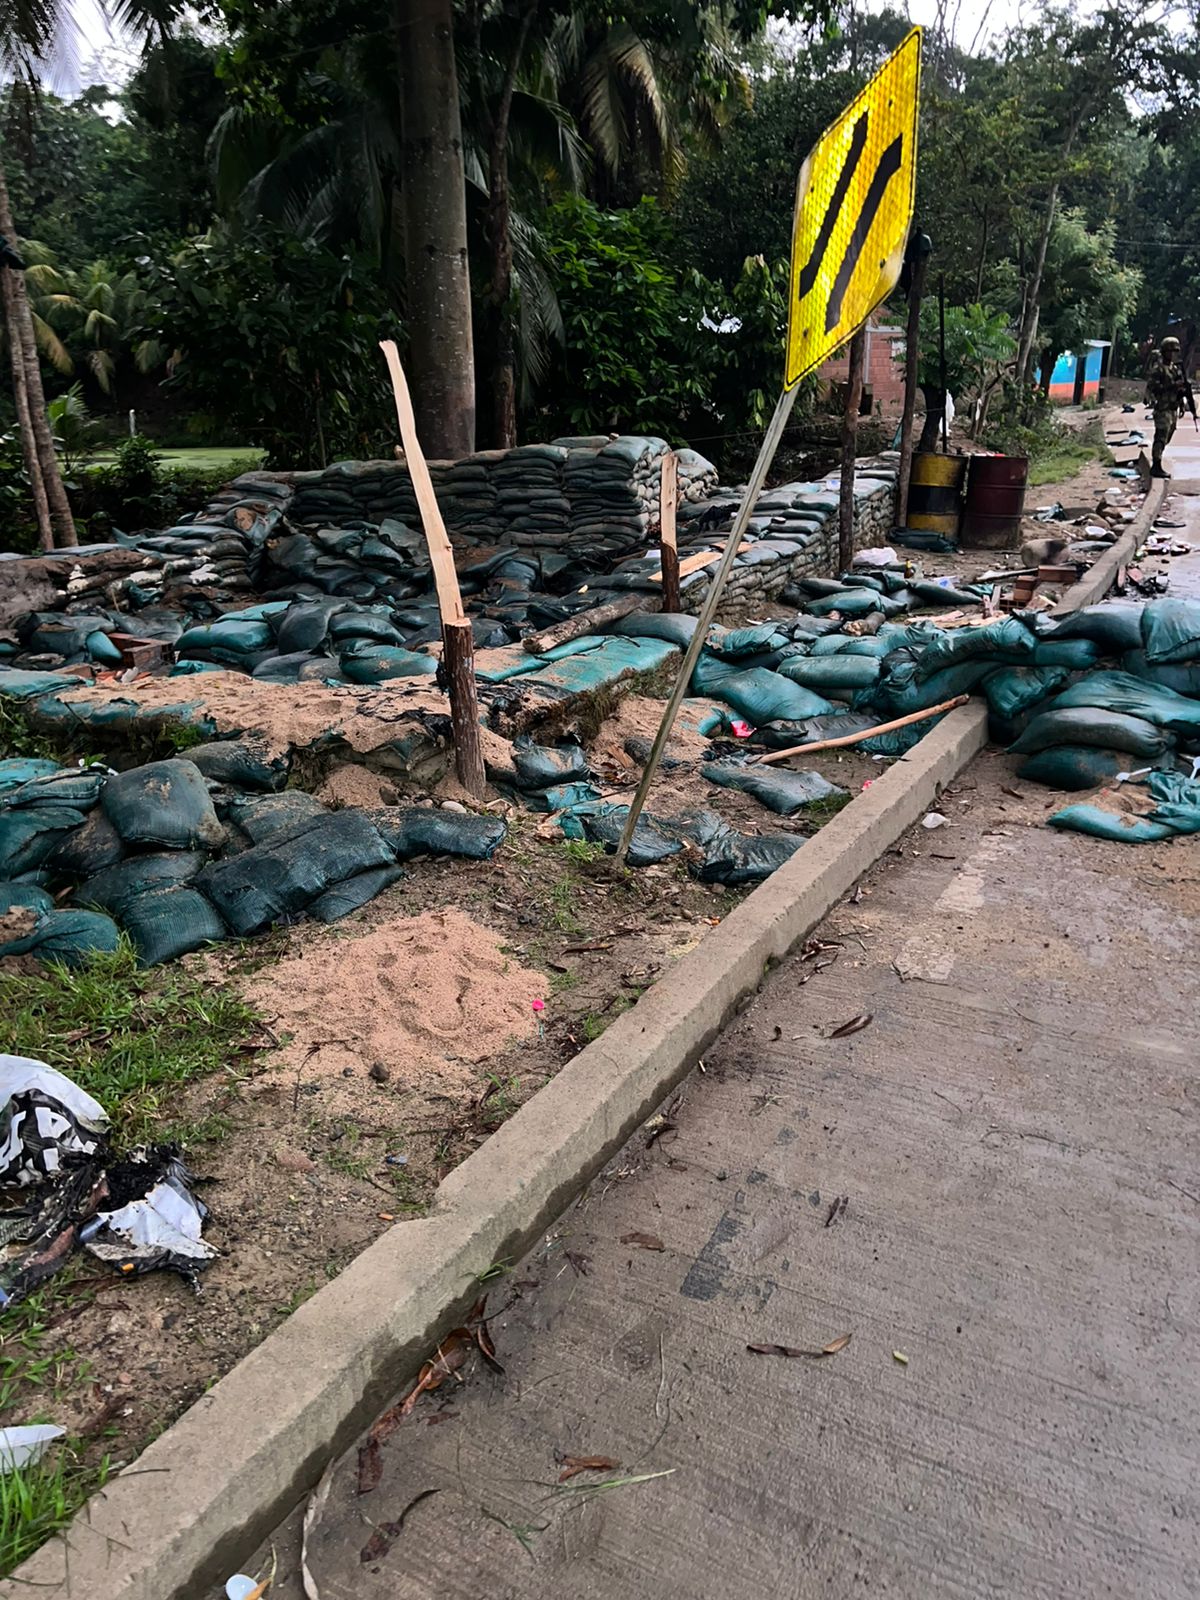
x=933 y=819
x=837 y=1209
x=573 y=1465
x=792 y=1352
x=313 y=1510
x=386 y=1533
x=855 y=1025
x=643 y=1241
x=899 y=1357
x=22 y=1447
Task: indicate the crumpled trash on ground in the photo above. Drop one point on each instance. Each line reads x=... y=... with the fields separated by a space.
x=25 y=1447
x=62 y=1188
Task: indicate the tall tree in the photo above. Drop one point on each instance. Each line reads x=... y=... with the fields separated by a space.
x=434 y=203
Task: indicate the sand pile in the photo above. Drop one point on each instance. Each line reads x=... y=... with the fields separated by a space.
x=353 y=785
x=639 y=717
x=424 y=997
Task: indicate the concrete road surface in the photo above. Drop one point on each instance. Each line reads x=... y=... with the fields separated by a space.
x=993 y=1186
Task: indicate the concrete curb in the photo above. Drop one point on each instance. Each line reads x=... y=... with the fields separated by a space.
x=206 y=1492
x=1103 y=573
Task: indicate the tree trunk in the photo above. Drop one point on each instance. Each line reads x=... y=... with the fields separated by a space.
x=499 y=233
x=33 y=467
x=35 y=425
x=983 y=246
x=935 y=410
x=434 y=203
x=1029 y=321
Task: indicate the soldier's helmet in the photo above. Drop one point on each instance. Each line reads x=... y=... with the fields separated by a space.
x=1170 y=343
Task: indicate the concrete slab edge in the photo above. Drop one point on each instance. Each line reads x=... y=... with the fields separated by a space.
x=1102 y=574
x=203 y=1494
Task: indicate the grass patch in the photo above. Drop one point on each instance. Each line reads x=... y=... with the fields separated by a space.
x=129 y=1036
x=37 y=1501
x=596 y=1022
x=1063 y=458
x=198 y=458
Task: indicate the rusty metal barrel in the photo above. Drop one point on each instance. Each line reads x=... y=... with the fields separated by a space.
x=995 y=502
x=935 y=493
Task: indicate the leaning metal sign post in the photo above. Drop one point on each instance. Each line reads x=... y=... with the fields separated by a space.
x=854 y=204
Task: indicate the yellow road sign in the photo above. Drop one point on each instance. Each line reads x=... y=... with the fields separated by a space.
x=854 y=204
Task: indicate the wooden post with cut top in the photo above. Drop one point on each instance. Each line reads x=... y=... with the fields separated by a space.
x=458 y=657
x=668 y=548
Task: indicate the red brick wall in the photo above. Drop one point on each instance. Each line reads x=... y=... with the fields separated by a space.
x=883 y=376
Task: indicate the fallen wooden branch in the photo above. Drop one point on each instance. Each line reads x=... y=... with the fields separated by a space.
x=867 y=733
x=583 y=622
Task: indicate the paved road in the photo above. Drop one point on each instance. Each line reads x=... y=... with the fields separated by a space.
x=995 y=1179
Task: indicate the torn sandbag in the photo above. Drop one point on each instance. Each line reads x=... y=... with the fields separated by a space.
x=422 y=831
x=276 y=881
x=776 y=788
x=170 y=921
x=538 y=766
x=1110 y=730
x=156 y=1221
x=46 y=1122
x=164 y=803
x=734 y=858
x=1073 y=766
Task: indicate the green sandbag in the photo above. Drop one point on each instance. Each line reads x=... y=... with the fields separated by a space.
x=999 y=643
x=66 y=936
x=1011 y=691
x=377 y=663
x=737 y=643
x=269 y=817
x=165 y=923
x=762 y=696
x=944 y=685
x=648 y=846
x=899 y=741
x=538 y=766
x=189 y=669
x=234 y=640
x=28 y=837
x=838 y=676
x=305 y=626
x=779 y=790
x=832 y=644
x=88 y=849
x=26 y=895
x=710 y=672
x=164 y=803
x=1107 y=825
x=853 y=603
x=19 y=770
x=348 y=627
x=1171 y=631
x=243 y=763
x=423 y=831
x=1074 y=766
x=101 y=649
x=71 y=787
x=1109 y=730
x=353 y=893
x=672 y=626
x=1178 y=801
x=114 y=889
x=18 y=685
x=277 y=880
x=1120 y=691
x=570 y=796
x=809 y=730
x=1184 y=679
x=1114 y=627
x=930 y=593
x=1075 y=654
x=735 y=858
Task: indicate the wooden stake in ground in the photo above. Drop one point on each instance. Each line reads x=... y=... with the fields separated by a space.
x=459 y=656
x=762 y=466
x=857 y=738
x=919 y=258
x=854 y=389
x=668 y=549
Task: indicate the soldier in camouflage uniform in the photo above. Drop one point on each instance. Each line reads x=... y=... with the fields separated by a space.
x=1165 y=397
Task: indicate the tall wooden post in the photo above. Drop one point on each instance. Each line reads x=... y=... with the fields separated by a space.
x=668 y=549
x=854 y=388
x=912 y=355
x=458 y=658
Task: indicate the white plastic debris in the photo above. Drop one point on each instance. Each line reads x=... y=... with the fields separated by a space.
x=21 y=1447
x=161 y=1229
x=239 y=1586
x=43 y=1117
x=882 y=556
x=933 y=819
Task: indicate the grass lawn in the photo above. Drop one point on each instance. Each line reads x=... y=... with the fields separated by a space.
x=203 y=458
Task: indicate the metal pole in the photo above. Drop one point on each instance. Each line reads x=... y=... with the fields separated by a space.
x=912 y=352
x=762 y=466
x=942 y=357
x=854 y=389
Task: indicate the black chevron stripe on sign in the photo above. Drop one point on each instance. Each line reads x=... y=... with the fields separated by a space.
x=889 y=165
x=858 y=143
